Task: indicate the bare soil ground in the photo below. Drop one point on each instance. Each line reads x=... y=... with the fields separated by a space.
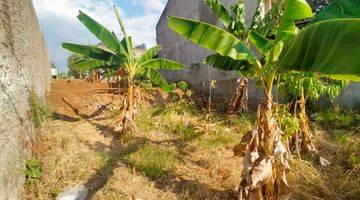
x=175 y=151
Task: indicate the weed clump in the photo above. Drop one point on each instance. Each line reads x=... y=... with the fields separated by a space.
x=33 y=171
x=39 y=112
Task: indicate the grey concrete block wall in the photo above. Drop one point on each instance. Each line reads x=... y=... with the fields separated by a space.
x=24 y=67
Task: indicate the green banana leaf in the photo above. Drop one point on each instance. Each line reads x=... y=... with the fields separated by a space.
x=103 y=34
x=294 y=10
x=339 y=9
x=211 y=37
x=89 y=51
x=238 y=26
x=163 y=64
x=91 y=64
x=221 y=12
x=128 y=42
x=123 y=43
x=329 y=47
x=150 y=53
x=228 y=64
x=267 y=26
x=259 y=41
x=155 y=77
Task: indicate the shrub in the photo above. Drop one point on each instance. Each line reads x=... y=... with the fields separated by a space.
x=39 y=112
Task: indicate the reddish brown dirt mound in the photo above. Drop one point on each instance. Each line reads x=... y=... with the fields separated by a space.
x=69 y=96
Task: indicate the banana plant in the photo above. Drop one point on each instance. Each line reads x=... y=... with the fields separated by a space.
x=118 y=55
x=304 y=86
x=328 y=47
x=233 y=20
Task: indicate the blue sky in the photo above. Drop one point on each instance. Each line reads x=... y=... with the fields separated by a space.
x=59 y=23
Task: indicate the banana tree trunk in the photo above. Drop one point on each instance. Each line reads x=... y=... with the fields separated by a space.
x=127 y=118
x=306 y=136
x=267 y=5
x=265 y=158
x=93 y=75
x=239 y=100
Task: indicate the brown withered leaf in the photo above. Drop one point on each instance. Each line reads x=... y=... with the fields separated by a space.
x=261 y=173
x=240 y=149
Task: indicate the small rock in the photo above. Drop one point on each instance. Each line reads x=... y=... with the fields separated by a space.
x=74 y=193
x=323 y=162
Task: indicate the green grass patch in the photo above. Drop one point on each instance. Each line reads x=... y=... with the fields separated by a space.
x=217 y=140
x=336 y=119
x=154 y=162
x=104 y=157
x=39 y=112
x=145 y=119
x=186 y=132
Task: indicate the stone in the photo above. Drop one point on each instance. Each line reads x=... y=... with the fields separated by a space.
x=74 y=193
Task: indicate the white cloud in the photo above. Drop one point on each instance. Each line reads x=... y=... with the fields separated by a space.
x=59 y=22
x=153 y=5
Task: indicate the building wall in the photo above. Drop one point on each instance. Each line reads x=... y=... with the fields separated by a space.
x=198 y=74
x=174 y=47
x=24 y=67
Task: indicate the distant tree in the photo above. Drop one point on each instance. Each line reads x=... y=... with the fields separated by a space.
x=52 y=64
x=73 y=71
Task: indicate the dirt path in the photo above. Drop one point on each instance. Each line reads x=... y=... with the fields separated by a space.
x=70 y=101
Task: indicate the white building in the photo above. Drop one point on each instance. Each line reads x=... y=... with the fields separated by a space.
x=54 y=72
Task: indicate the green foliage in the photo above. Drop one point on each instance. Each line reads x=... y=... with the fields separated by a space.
x=153 y=161
x=318 y=5
x=333 y=58
x=221 y=12
x=73 y=71
x=267 y=26
x=311 y=85
x=235 y=24
x=39 y=112
x=338 y=9
x=289 y=123
x=33 y=171
x=182 y=85
x=336 y=119
x=63 y=75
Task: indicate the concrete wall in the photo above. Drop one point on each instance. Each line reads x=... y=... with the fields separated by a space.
x=179 y=49
x=24 y=67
